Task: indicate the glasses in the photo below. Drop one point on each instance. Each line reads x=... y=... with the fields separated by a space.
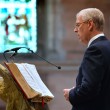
x=79 y=24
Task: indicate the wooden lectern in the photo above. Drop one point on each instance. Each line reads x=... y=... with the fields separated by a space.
x=12 y=96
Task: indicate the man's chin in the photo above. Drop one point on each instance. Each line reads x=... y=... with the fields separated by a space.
x=81 y=41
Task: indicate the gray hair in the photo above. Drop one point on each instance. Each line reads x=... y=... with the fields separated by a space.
x=95 y=15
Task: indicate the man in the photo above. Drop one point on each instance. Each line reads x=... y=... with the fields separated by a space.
x=92 y=90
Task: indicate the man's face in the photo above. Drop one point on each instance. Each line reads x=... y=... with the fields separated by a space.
x=82 y=29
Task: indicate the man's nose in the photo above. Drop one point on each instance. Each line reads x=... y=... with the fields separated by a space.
x=75 y=29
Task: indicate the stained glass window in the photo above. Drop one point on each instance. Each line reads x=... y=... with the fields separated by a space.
x=18 y=24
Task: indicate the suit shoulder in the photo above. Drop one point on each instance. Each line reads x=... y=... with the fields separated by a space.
x=101 y=44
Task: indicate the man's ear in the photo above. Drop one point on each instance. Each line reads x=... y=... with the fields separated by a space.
x=90 y=25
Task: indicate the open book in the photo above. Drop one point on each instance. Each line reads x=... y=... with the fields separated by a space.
x=29 y=81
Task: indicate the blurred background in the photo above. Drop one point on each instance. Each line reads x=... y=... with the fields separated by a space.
x=46 y=27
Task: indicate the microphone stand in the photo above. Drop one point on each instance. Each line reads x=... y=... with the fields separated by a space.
x=12 y=56
x=15 y=52
x=5 y=57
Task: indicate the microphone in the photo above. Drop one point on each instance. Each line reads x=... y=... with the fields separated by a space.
x=17 y=48
x=59 y=67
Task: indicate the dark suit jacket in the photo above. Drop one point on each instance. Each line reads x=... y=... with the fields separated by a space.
x=92 y=91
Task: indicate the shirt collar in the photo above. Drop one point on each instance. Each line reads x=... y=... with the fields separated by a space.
x=95 y=37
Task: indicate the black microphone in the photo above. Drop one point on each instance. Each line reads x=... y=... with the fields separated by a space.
x=17 y=48
x=59 y=67
x=48 y=61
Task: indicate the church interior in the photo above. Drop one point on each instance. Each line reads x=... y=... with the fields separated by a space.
x=56 y=44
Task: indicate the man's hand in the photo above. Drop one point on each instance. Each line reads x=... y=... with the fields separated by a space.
x=66 y=94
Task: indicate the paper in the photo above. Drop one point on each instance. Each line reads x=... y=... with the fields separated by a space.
x=32 y=77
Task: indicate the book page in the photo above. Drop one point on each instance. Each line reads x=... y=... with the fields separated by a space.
x=28 y=78
x=34 y=74
x=32 y=77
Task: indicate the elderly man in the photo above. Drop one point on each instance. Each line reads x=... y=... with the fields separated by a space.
x=92 y=90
